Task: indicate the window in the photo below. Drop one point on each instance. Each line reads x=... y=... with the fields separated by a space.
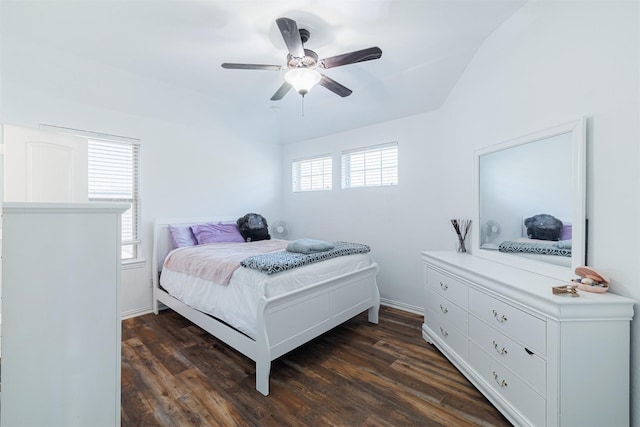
x=312 y=174
x=371 y=166
x=113 y=177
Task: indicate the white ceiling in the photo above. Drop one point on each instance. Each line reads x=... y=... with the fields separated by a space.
x=426 y=45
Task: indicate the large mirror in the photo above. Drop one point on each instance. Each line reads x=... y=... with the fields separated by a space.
x=530 y=201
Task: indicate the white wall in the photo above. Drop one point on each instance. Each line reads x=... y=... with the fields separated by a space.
x=397 y=222
x=552 y=62
x=1 y=166
x=191 y=164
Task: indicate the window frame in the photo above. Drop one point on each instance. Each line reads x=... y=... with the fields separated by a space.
x=133 y=239
x=297 y=178
x=136 y=241
x=347 y=169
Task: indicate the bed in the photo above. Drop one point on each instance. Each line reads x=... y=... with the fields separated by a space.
x=280 y=317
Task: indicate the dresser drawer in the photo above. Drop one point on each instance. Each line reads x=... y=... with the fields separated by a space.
x=449 y=311
x=440 y=327
x=528 y=330
x=530 y=367
x=512 y=389
x=447 y=286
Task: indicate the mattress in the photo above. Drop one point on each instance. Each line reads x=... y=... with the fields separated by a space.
x=237 y=302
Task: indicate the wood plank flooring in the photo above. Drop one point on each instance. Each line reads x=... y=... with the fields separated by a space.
x=359 y=374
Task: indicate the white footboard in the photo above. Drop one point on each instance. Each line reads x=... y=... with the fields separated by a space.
x=290 y=320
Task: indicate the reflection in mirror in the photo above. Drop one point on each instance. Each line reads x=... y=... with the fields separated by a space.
x=527 y=182
x=530 y=201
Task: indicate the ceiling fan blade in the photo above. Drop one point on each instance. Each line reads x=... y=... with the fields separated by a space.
x=334 y=86
x=252 y=67
x=281 y=92
x=352 y=57
x=291 y=36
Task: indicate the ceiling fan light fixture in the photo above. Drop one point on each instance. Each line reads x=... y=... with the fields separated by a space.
x=302 y=63
x=302 y=79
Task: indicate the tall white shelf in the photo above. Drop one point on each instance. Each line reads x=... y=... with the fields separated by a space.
x=61 y=325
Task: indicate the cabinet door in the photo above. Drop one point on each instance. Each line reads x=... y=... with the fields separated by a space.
x=61 y=317
x=41 y=166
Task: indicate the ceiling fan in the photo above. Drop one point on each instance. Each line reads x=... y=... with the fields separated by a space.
x=303 y=64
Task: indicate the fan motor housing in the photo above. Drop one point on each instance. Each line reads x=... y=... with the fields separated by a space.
x=309 y=60
x=304 y=35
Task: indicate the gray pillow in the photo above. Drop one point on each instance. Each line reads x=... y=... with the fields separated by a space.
x=309 y=246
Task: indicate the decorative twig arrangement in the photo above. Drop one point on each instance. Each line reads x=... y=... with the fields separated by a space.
x=462 y=227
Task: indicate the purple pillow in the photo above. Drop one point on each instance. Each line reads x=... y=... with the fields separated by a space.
x=566 y=232
x=181 y=236
x=216 y=233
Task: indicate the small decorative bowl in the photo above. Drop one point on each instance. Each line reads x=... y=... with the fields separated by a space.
x=596 y=282
x=592 y=288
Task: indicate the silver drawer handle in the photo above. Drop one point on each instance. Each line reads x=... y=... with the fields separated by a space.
x=502 y=383
x=500 y=319
x=444 y=332
x=445 y=310
x=502 y=351
x=444 y=286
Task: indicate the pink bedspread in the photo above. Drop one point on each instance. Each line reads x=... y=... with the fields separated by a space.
x=217 y=261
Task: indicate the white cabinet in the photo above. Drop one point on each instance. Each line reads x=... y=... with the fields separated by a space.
x=61 y=325
x=541 y=359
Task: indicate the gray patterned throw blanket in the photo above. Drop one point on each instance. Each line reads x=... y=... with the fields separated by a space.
x=275 y=262
x=547 y=248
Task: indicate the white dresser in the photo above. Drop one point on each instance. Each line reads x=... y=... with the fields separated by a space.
x=61 y=323
x=541 y=359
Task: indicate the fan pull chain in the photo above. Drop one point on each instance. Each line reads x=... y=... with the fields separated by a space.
x=302 y=105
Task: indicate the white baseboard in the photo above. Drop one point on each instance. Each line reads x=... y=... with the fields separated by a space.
x=402 y=306
x=136 y=312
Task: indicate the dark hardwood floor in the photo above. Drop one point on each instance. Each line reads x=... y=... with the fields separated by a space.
x=359 y=374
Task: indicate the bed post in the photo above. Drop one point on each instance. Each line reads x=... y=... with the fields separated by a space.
x=263 y=352
x=154 y=267
x=262 y=377
x=156 y=309
x=373 y=311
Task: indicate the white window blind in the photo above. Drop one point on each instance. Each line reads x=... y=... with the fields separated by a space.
x=312 y=174
x=371 y=166
x=114 y=177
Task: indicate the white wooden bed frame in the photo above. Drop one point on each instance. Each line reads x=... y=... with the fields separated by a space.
x=284 y=322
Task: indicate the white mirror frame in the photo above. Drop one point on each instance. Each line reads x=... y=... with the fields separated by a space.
x=578 y=153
